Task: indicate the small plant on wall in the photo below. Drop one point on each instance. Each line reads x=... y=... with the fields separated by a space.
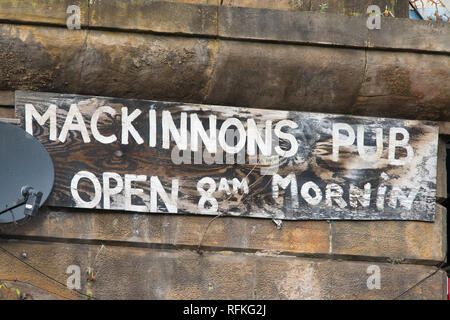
x=8 y=292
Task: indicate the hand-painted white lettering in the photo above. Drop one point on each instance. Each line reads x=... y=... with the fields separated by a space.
x=341 y=141
x=94 y=120
x=197 y=131
x=206 y=196
x=362 y=149
x=169 y=128
x=70 y=126
x=357 y=195
x=156 y=189
x=107 y=190
x=242 y=135
x=254 y=138
x=152 y=127
x=127 y=126
x=305 y=192
x=278 y=181
x=334 y=192
x=49 y=115
x=287 y=136
x=394 y=143
x=79 y=202
x=130 y=191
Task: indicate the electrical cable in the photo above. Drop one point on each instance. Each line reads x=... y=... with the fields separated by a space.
x=14 y=206
x=44 y=274
x=440 y=267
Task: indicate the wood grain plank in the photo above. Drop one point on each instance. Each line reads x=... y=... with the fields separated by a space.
x=229 y=72
x=41 y=12
x=441 y=186
x=399 y=183
x=408 y=241
x=6 y=98
x=142 y=273
x=6 y=112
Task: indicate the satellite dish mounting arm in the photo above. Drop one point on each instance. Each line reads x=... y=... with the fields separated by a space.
x=31 y=199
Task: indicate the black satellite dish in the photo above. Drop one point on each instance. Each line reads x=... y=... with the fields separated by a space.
x=26 y=174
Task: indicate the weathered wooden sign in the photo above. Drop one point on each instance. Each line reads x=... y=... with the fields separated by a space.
x=177 y=158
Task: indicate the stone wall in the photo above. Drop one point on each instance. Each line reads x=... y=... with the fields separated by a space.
x=221 y=54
